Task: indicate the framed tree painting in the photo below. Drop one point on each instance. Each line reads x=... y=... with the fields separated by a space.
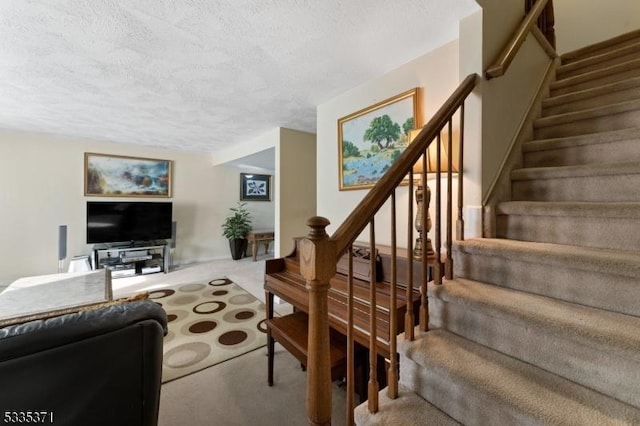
x=255 y=187
x=120 y=176
x=372 y=139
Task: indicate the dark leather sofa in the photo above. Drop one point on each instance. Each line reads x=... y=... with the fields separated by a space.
x=97 y=367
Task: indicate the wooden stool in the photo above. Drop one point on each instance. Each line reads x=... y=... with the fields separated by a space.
x=291 y=331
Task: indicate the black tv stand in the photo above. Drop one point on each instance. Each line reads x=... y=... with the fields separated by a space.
x=134 y=258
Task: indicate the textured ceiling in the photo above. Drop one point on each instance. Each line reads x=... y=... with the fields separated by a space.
x=200 y=75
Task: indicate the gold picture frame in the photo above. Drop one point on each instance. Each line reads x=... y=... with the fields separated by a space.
x=108 y=175
x=370 y=140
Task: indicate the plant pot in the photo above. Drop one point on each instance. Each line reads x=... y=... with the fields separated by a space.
x=238 y=247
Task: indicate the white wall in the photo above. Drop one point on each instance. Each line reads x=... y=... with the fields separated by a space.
x=506 y=99
x=579 y=23
x=296 y=166
x=497 y=107
x=265 y=141
x=43 y=188
x=293 y=183
x=471 y=62
x=227 y=195
x=436 y=73
x=495 y=111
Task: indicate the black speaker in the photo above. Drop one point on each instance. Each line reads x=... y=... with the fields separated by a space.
x=174 y=227
x=62 y=242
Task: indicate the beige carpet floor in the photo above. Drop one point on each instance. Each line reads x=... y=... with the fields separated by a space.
x=233 y=392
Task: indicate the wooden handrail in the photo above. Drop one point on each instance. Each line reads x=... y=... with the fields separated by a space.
x=500 y=65
x=544 y=43
x=546 y=21
x=319 y=253
x=355 y=223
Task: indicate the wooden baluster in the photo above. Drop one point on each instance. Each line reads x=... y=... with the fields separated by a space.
x=460 y=222
x=317 y=266
x=438 y=265
x=528 y=4
x=426 y=247
x=542 y=22
x=392 y=376
x=372 y=390
x=409 y=318
x=449 y=261
x=350 y=343
x=549 y=30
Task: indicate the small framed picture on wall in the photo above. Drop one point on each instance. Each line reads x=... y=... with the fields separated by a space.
x=255 y=187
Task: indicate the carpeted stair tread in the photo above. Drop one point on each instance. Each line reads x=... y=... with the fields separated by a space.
x=599 y=48
x=599 y=58
x=625 y=90
x=477 y=385
x=600 y=278
x=618 y=262
x=584 y=139
x=583 y=170
x=596 y=182
x=589 y=224
x=625 y=84
x=597 y=210
x=589 y=148
x=547 y=330
x=596 y=75
x=612 y=330
x=406 y=410
x=588 y=114
x=589 y=346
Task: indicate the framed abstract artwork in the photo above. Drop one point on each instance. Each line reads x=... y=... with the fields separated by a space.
x=255 y=187
x=120 y=176
x=370 y=140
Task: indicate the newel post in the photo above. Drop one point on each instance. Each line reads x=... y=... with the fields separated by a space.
x=318 y=266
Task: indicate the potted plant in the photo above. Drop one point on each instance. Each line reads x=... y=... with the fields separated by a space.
x=235 y=228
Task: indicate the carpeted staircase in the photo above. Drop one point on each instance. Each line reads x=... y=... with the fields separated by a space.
x=542 y=324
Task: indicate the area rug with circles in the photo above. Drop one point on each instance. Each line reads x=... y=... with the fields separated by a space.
x=208 y=323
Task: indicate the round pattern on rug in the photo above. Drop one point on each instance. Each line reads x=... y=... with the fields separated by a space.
x=192 y=287
x=244 y=315
x=209 y=307
x=208 y=326
x=186 y=355
x=239 y=315
x=195 y=327
x=220 y=282
x=242 y=299
x=182 y=300
x=231 y=338
x=202 y=326
x=157 y=294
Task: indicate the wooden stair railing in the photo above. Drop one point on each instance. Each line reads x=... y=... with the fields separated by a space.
x=546 y=21
x=320 y=253
x=539 y=21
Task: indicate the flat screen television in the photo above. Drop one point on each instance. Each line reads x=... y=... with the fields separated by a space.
x=120 y=221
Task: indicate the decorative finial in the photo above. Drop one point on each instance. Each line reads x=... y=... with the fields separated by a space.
x=317 y=225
